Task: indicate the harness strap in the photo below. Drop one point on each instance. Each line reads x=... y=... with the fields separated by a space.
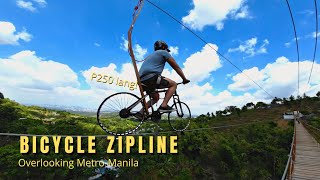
x=158 y=80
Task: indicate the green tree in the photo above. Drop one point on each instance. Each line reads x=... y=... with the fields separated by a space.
x=244 y=109
x=8 y=112
x=238 y=111
x=285 y=101
x=218 y=113
x=276 y=100
x=318 y=94
x=305 y=96
x=260 y=105
x=291 y=98
x=299 y=97
x=250 y=104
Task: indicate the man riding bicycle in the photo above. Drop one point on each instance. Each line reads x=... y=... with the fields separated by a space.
x=151 y=79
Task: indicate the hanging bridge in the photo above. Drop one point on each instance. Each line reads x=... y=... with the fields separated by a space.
x=304 y=158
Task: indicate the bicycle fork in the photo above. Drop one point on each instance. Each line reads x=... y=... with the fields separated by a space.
x=176 y=101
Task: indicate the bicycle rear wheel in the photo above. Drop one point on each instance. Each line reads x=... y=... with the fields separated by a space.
x=180 y=119
x=116 y=114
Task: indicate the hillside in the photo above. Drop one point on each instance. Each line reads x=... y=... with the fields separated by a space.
x=257 y=150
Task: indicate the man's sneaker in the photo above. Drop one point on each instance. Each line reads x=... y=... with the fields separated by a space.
x=138 y=115
x=166 y=109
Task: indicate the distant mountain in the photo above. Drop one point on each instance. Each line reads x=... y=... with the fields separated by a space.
x=65 y=108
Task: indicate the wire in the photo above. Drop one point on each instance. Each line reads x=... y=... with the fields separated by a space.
x=165 y=132
x=315 y=46
x=297 y=44
x=208 y=45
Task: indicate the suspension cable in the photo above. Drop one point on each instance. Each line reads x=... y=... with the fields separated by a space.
x=204 y=41
x=297 y=44
x=315 y=45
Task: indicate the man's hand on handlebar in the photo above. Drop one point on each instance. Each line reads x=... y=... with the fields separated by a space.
x=185 y=81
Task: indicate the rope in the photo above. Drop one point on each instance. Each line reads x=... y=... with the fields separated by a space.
x=136 y=10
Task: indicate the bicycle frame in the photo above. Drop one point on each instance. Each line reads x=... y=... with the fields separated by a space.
x=176 y=101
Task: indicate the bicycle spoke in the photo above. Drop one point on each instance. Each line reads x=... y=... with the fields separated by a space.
x=115 y=110
x=112 y=121
x=115 y=103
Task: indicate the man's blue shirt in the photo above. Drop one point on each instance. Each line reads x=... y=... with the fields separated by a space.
x=154 y=63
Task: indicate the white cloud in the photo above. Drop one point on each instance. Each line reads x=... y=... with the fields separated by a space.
x=214 y=13
x=97 y=44
x=249 y=47
x=124 y=44
x=26 y=70
x=27 y=5
x=307 y=12
x=29 y=79
x=313 y=35
x=287 y=44
x=200 y=64
x=174 y=50
x=243 y=13
x=41 y=3
x=208 y=102
x=8 y=34
x=308 y=36
x=138 y=51
x=241 y=82
x=279 y=79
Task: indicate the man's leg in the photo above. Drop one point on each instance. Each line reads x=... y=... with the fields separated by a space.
x=172 y=86
x=155 y=97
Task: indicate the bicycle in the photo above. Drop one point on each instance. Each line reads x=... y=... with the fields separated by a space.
x=115 y=114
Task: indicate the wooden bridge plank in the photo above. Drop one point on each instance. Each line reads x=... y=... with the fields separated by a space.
x=307 y=160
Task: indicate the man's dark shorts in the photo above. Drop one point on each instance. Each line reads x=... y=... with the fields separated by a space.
x=151 y=84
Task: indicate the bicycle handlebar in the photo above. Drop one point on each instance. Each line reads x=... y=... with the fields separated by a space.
x=181 y=83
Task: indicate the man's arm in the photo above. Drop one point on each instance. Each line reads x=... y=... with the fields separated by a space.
x=176 y=67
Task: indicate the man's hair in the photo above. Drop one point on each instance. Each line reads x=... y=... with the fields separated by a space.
x=161 y=45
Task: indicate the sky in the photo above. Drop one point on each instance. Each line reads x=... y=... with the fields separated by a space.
x=54 y=53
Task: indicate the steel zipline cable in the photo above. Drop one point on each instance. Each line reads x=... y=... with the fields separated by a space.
x=141 y=134
x=315 y=46
x=204 y=41
x=297 y=44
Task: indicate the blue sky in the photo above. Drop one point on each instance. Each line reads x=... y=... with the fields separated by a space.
x=49 y=49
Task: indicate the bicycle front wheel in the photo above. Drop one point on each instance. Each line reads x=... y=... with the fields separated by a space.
x=116 y=114
x=180 y=119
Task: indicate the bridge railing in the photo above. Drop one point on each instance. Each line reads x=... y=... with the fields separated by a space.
x=287 y=174
x=315 y=132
